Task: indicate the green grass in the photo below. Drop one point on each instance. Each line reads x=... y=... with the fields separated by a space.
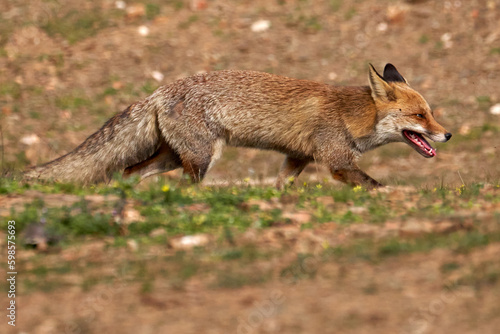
x=10 y=89
x=483 y=275
x=72 y=102
x=190 y=21
x=224 y=213
x=374 y=251
x=350 y=13
x=152 y=10
x=424 y=39
x=495 y=51
x=335 y=5
x=449 y=267
x=76 y=25
x=233 y=279
x=169 y=207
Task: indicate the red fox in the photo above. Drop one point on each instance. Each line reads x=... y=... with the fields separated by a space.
x=186 y=124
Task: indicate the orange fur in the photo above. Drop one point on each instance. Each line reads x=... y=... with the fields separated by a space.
x=186 y=123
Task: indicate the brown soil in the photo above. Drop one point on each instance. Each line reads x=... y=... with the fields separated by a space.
x=41 y=73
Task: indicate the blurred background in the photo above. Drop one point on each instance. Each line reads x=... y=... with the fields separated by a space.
x=66 y=66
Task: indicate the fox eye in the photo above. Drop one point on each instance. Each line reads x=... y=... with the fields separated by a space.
x=420 y=116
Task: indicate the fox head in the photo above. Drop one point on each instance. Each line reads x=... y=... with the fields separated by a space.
x=403 y=114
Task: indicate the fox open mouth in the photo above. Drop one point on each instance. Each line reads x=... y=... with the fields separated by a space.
x=418 y=142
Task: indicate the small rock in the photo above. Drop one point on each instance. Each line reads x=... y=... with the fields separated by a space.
x=390 y=229
x=6 y=110
x=332 y=76
x=495 y=109
x=396 y=13
x=136 y=10
x=157 y=232
x=445 y=227
x=262 y=204
x=382 y=26
x=158 y=76
x=132 y=245
x=396 y=195
x=198 y=207
x=391 y=226
x=358 y=209
x=190 y=241
x=412 y=228
x=117 y=85
x=143 y=30
x=261 y=25
x=65 y=114
x=250 y=235
x=36 y=234
x=46 y=326
x=30 y=139
x=299 y=217
x=198 y=5
x=465 y=129
x=289 y=199
x=286 y=232
x=109 y=100
x=446 y=39
x=489 y=151
x=131 y=215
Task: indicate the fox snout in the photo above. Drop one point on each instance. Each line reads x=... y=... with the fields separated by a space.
x=440 y=137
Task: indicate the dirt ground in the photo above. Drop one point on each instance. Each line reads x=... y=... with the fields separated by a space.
x=408 y=275
x=67 y=66
x=404 y=295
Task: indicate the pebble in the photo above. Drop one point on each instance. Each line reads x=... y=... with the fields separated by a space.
x=495 y=109
x=261 y=25
x=143 y=30
x=189 y=241
x=30 y=139
x=158 y=76
x=120 y=4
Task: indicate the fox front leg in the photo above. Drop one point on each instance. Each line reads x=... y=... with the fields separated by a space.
x=355 y=177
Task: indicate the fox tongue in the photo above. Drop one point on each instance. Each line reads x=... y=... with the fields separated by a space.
x=420 y=143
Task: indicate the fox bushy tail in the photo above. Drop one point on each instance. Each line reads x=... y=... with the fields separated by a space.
x=128 y=138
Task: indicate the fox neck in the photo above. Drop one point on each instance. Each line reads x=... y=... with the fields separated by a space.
x=363 y=120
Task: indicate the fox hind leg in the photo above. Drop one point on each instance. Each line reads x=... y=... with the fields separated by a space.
x=200 y=158
x=290 y=169
x=163 y=160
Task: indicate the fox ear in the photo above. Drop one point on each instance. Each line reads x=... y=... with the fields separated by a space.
x=392 y=74
x=380 y=88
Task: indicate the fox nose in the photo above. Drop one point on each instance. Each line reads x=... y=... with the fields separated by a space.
x=448 y=136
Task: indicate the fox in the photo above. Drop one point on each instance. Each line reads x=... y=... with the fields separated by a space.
x=187 y=123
